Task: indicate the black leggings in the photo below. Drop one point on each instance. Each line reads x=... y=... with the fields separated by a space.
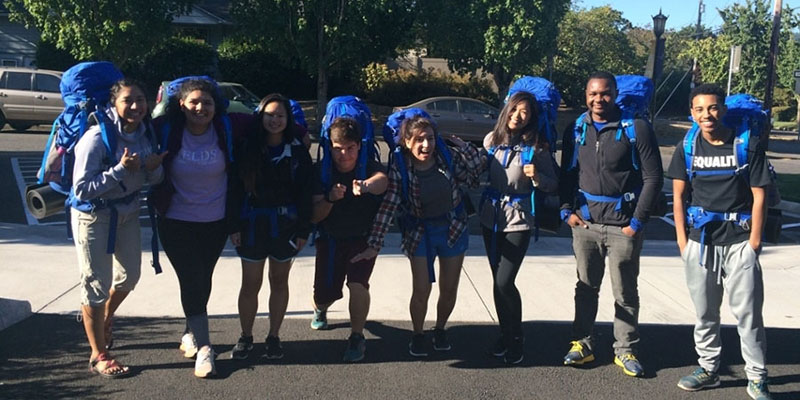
x=510 y=250
x=193 y=248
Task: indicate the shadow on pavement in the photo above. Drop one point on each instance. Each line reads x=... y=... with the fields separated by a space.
x=46 y=356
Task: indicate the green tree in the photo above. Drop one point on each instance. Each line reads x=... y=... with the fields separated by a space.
x=117 y=31
x=502 y=37
x=328 y=37
x=592 y=40
x=748 y=25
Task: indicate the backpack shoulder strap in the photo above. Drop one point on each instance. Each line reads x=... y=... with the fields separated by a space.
x=626 y=125
x=226 y=123
x=527 y=154
x=402 y=168
x=107 y=134
x=689 y=145
x=579 y=135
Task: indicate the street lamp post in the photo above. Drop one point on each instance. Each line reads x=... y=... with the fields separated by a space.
x=659 y=21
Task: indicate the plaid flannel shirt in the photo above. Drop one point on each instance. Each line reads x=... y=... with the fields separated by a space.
x=468 y=163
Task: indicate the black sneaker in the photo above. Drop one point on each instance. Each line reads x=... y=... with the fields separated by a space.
x=274 y=350
x=440 y=342
x=514 y=353
x=499 y=349
x=417 y=345
x=242 y=348
x=356 y=346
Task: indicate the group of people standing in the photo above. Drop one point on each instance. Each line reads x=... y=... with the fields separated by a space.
x=250 y=179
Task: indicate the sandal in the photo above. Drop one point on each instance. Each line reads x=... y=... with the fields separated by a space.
x=108 y=334
x=111 y=369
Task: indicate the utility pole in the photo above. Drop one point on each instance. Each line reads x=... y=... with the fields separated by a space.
x=698 y=32
x=772 y=64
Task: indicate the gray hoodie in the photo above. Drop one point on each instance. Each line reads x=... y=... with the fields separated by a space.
x=93 y=179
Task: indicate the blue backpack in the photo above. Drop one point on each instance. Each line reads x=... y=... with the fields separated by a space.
x=348 y=107
x=547 y=98
x=747 y=119
x=299 y=115
x=85 y=90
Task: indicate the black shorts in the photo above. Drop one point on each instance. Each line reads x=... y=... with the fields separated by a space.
x=328 y=283
x=263 y=245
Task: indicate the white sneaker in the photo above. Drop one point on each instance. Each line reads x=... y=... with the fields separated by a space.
x=204 y=365
x=188 y=345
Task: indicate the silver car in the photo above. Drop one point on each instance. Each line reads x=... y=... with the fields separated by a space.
x=29 y=97
x=466 y=118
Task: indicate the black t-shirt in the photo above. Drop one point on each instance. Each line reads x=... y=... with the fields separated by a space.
x=721 y=193
x=352 y=216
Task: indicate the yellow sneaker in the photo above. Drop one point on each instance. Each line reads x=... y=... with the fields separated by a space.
x=578 y=354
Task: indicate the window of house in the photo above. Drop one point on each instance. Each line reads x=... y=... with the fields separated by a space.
x=8 y=63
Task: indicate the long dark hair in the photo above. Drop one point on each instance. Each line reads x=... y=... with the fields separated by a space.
x=529 y=133
x=123 y=83
x=252 y=152
x=174 y=112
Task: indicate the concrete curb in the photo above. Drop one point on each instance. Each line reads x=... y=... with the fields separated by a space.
x=13 y=311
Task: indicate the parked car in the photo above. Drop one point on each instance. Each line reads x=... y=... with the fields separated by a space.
x=241 y=100
x=466 y=118
x=29 y=97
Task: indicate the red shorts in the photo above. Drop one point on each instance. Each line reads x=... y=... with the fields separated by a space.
x=329 y=279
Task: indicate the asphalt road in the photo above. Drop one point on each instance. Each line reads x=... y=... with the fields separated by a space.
x=45 y=357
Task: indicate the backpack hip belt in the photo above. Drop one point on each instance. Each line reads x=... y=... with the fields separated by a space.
x=583 y=196
x=698 y=217
x=414 y=221
x=500 y=200
x=252 y=213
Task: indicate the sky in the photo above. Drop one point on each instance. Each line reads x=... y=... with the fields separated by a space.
x=680 y=12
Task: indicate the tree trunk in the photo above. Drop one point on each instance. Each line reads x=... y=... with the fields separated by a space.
x=322 y=69
x=797 y=115
x=502 y=80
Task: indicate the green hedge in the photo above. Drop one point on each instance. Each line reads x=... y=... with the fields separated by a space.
x=173 y=58
x=380 y=85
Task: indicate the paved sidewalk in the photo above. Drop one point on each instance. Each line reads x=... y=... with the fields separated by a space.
x=39 y=275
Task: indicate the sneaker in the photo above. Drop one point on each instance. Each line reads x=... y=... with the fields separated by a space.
x=699 y=379
x=514 y=354
x=356 y=346
x=578 y=354
x=417 y=345
x=440 y=342
x=758 y=390
x=630 y=365
x=188 y=345
x=499 y=349
x=320 y=320
x=204 y=365
x=274 y=350
x=242 y=348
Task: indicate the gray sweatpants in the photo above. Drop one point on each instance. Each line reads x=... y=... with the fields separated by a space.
x=741 y=275
x=592 y=246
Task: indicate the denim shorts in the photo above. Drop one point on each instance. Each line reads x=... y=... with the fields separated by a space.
x=437 y=236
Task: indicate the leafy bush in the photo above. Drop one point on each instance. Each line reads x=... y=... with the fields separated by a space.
x=379 y=85
x=172 y=58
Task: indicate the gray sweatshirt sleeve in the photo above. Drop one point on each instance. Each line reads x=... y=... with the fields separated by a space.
x=91 y=178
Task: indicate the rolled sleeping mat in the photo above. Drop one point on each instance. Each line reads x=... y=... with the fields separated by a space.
x=43 y=201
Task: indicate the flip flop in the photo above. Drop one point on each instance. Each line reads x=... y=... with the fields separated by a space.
x=112 y=368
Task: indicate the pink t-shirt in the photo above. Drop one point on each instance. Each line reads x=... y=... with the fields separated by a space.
x=198 y=174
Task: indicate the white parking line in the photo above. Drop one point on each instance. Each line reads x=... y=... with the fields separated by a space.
x=21 y=187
